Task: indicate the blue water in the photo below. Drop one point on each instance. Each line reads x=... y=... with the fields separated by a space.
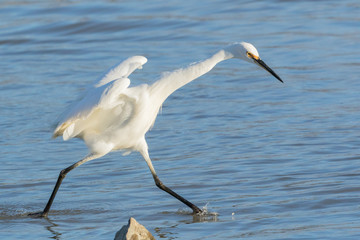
x=275 y=161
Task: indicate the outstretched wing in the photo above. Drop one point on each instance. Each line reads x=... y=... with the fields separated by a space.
x=103 y=95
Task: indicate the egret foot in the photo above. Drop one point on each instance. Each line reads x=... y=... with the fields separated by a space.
x=38 y=215
x=196 y=210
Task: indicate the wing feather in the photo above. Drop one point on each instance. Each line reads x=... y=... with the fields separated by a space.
x=104 y=97
x=122 y=70
x=104 y=94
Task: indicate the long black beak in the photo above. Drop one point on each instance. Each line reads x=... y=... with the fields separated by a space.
x=267 y=68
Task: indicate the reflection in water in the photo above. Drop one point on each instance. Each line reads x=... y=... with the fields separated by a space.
x=15 y=217
x=55 y=234
x=165 y=233
x=207 y=217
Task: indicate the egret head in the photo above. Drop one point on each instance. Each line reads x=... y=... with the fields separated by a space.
x=248 y=52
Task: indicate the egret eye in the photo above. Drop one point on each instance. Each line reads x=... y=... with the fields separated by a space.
x=252 y=56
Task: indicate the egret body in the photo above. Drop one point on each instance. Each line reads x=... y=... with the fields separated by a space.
x=114 y=116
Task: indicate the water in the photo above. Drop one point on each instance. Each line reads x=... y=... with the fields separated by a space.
x=275 y=161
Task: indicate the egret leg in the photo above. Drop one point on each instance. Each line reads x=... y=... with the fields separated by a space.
x=61 y=177
x=160 y=185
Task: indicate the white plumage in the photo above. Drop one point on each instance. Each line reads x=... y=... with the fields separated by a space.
x=114 y=116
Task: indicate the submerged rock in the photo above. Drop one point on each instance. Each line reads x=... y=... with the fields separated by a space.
x=133 y=231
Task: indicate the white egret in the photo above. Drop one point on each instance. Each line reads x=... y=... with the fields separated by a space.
x=114 y=116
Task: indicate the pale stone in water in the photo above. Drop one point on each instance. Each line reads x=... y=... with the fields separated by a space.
x=133 y=231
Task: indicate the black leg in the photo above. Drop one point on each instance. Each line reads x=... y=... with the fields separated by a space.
x=61 y=177
x=158 y=183
x=177 y=196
